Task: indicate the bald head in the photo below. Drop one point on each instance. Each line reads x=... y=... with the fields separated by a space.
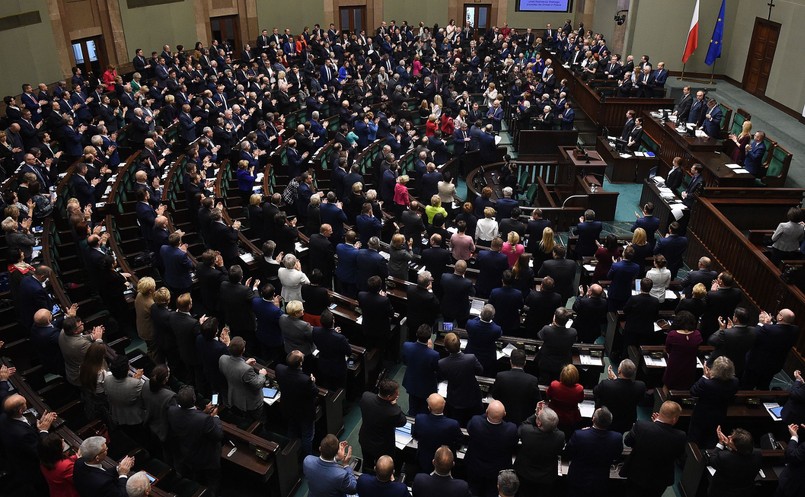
x=436 y=403
x=42 y=317
x=787 y=316
x=596 y=290
x=669 y=412
x=495 y=412
x=14 y=405
x=443 y=460
x=160 y=222
x=384 y=467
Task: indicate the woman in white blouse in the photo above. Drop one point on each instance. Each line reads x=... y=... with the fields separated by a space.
x=487 y=228
x=292 y=278
x=491 y=94
x=661 y=276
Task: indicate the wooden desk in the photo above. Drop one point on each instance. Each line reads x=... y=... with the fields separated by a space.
x=624 y=169
x=594 y=164
x=603 y=202
x=662 y=209
x=694 y=474
x=716 y=170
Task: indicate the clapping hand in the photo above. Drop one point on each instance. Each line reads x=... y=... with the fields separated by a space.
x=344 y=453
x=798 y=375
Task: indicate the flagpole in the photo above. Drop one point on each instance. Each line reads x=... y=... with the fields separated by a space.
x=682 y=76
x=712 y=74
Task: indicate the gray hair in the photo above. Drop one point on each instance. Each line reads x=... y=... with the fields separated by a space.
x=548 y=419
x=508 y=483
x=138 y=485
x=627 y=369
x=424 y=279
x=9 y=224
x=315 y=115
x=289 y=261
x=488 y=312
x=91 y=447
x=723 y=369
x=602 y=418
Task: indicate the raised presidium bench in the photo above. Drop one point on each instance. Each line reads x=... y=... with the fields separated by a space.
x=626 y=166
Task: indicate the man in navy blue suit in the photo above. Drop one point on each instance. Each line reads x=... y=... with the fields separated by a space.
x=32 y=296
x=83 y=187
x=504 y=205
x=753 y=162
x=491 y=447
x=432 y=430
x=772 y=343
x=588 y=231
x=459 y=370
x=712 y=120
x=697 y=109
x=381 y=484
x=482 y=333
x=178 y=265
x=490 y=264
x=90 y=478
x=508 y=302
x=673 y=247
x=422 y=366
x=347 y=267
x=332 y=213
x=299 y=393
x=703 y=274
x=329 y=473
x=648 y=222
x=370 y=263
x=457 y=291
x=592 y=451
x=694 y=185
x=440 y=482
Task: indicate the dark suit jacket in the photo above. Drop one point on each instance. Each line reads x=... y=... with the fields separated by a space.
x=508 y=302
x=370 y=263
x=491 y=446
x=673 y=248
x=621 y=397
x=641 y=311
x=557 y=346
x=455 y=299
x=563 y=272
x=674 y=179
x=21 y=441
x=210 y=279
x=322 y=256
x=721 y=302
x=734 y=343
x=735 y=473
x=541 y=307
x=519 y=392
x=655 y=448
x=224 y=239
x=792 y=479
x=683 y=108
x=588 y=232
x=30 y=298
x=100 y=482
x=591 y=315
x=422 y=308
x=490 y=265
x=380 y=417
x=444 y=486
x=198 y=438
x=649 y=223
x=714 y=397
x=369 y=486
x=592 y=452
x=459 y=371
x=436 y=260
x=185 y=330
x=236 y=307
x=536 y=460
x=299 y=393
x=702 y=276
x=770 y=349
x=347 y=267
x=481 y=343
x=431 y=432
x=84 y=192
x=622 y=275
x=377 y=311
x=178 y=267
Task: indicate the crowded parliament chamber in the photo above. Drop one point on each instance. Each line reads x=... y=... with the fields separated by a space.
x=428 y=248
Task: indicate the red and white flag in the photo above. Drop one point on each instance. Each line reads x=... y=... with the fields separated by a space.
x=693 y=35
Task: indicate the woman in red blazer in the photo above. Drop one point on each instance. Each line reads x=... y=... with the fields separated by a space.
x=565 y=396
x=57 y=466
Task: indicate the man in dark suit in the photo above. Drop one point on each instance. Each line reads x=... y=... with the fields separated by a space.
x=557 y=344
x=224 y=238
x=490 y=264
x=683 y=107
x=422 y=365
x=674 y=179
x=459 y=370
x=89 y=477
x=185 y=329
x=648 y=222
x=411 y=222
x=588 y=231
x=20 y=439
x=694 y=185
x=736 y=464
x=505 y=205
x=83 y=187
x=641 y=311
x=432 y=430
x=621 y=394
x=322 y=254
x=627 y=127
x=440 y=482
x=698 y=109
x=422 y=305
x=381 y=484
x=792 y=478
x=370 y=263
x=430 y=183
x=299 y=393
x=541 y=304
x=376 y=311
x=753 y=162
x=656 y=446
x=768 y=353
x=197 y=435
x=591 y=313
x=712 y=120
x=722 y=299
x=381 y=415
x=563 y=272
x=235 y=305
x=178 y=266
x=542 y=444
x=482 y=334
x=457 y=291
x=734 y=342
x=516 y=389
x=347 y=268
x=32 y=296
x=491 y=446
x=508 y=302
x=435 y=258
x=673 y=247
x=592 y=452
x=703 y=275
x=333 y=349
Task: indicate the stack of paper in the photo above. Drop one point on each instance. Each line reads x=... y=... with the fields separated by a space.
x=475 y=308
x=733 y=166
x=588 y=360
x=462 y=343
x=587 y=408
x=650 y=361
x=740 y=171
x=441 y=389
x=506 y=351
x=402 y=436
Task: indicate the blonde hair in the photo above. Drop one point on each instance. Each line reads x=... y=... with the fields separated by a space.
x=514 y=238
x=436 y=201
x=294 y=308
x=146 y=286
x=569 y=375
x=489 y=212
x=699 y=291
x=547 y=240
x=397 y=240
x=639 y=237
x=746 y=129
x=255 y=199
x=162 y=296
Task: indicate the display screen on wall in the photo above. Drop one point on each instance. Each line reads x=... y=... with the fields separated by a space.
x=544 y=5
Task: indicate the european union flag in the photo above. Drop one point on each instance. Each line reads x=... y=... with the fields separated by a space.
x=714 y=52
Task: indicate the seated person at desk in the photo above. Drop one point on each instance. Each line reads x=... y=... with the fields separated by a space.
x=715 y=391
x=592 y=451
x=682 y=347
x=736 y=463
x=482 y=333
x=433 y=430
x=459 y=370
x=557 y=346
x=621 y=394
x=542 y=443
x=565 y=396
x=516 y=389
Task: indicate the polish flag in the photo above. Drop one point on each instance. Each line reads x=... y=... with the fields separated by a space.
x=693 y=35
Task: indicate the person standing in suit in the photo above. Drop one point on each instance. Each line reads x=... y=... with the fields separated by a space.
x=267 y=312
x=542 y=303
x=381 y=415
x=490 y=264
x=422 y=365
x=299 y=393
x=330 y=472
x=482 y=333
x=74 y=345
x=20 y=439
x=674 y=179
x=244 y=382
x=516 y=389
x=656 y=445
x=89 y=476
x=377 y=312
x=423 y=305
x=459 y=370
x=370 y=263
x=733 y=342
x=440 y=482
x=755 y=151
x=698 y=109
x=542 y=443
x=683 y=106
x=736 y=463
x=223 y=238
x=648 y=222
x=722 y=299
x=591 y=452
x=588 y=231
x=457 y=291
x=557 y=345
x=792 y=478
x=628 y=125
x=235 y=304
x=715 y=391
x=124 y=394
x=621 y=394
x=178 y=265
x=695 y=185
x=381 y=484
x=770 y=349
x=432 y=430
x=591 y=313
x=712 y=120
x=197 y=436
x=508 y=301
x=347 y=268
x=673 y=247
x=491 y=446
x=333 y=349
x=703 y=274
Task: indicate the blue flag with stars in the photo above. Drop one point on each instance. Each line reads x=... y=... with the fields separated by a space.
x=714 y=52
